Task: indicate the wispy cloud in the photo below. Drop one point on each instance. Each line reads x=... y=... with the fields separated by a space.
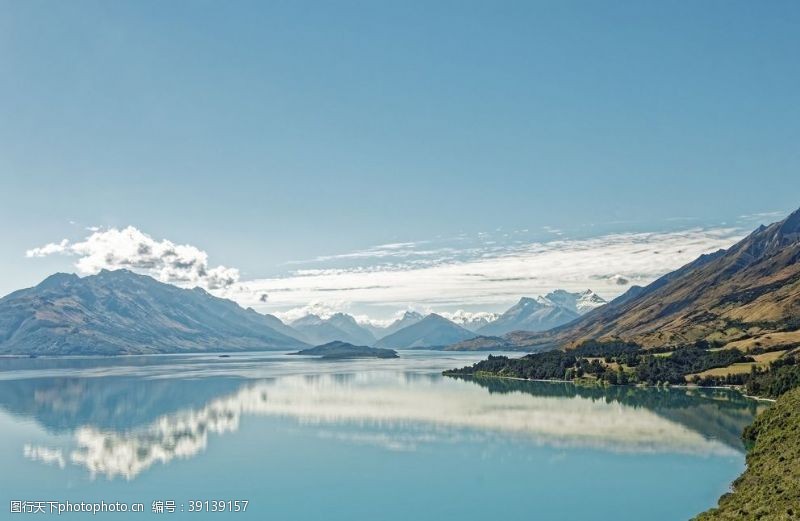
x=130 y=248
x=399 y=250
x=554 y=231
x=492 y=277
x=763 y=217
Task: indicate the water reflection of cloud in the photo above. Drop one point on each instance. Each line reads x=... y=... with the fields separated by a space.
x=45 y=455
x=397 y=415
x=400 y=442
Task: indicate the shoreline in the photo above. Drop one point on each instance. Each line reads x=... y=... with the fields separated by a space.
x=594 y=384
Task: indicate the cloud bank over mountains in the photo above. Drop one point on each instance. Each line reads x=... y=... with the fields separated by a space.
x=484 y=275
x=491 y=279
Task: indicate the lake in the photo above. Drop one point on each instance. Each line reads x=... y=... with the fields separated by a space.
x=305 y=439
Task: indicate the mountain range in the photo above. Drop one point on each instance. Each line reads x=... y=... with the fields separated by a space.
x=745 y=296
x=121 y=312
x=543 y=313
x=413 y=330
x=338 y=327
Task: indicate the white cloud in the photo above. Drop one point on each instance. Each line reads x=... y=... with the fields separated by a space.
x=46 y=455
x=554 y=231
x=619 y=280
x=48 y=249
x=321 y=309
x=130 y=248
x=366 y=320
x=765 y=217
x=396 y=250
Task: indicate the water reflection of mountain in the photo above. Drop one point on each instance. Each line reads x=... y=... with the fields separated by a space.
x=116 y=403
x=121 y=426
x=718 y=413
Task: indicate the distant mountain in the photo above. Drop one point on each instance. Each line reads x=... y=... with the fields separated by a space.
x=356 y=333
x=342 y=350
x=279 y=326
x=316 y=331
x=529 y=314
x=542 y=313
x=473 y=321
x=340 y=326
x=120 y=312
x=745 y=296
x=408 y=318
x=432 y=331
x=581 y=303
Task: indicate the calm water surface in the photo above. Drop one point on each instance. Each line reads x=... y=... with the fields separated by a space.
x=367 y=439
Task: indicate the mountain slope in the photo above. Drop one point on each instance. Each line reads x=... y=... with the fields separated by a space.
x=278 y=325
x=339 y=327
x=748 y=294
x=120 y=312
x=432 y=331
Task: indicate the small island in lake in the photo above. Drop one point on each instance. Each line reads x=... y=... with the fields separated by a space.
x=337 y=350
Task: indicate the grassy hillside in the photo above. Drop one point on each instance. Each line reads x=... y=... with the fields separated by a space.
x=749 y=292
x=770 y=487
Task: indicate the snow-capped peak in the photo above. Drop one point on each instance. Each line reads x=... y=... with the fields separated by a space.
x=580 y=303
x=471 y=320
x=588 y=301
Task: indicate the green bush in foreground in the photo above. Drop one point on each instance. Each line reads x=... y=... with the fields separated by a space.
x=769 y=490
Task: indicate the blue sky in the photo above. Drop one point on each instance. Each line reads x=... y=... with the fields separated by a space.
x=267 y=133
